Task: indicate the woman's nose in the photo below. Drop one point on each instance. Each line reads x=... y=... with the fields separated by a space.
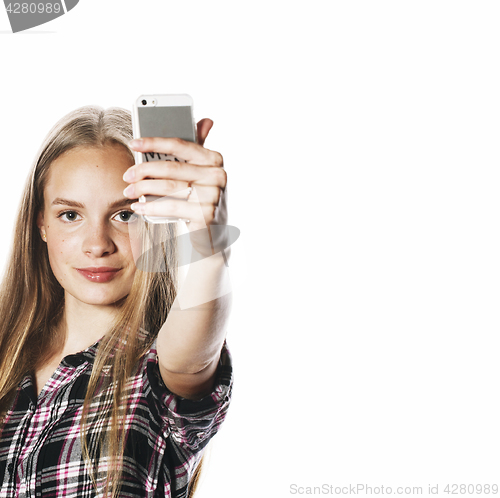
x=98 y=241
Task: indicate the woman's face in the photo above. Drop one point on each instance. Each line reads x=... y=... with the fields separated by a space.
x=85 y=219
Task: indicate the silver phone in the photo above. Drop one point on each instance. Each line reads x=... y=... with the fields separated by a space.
x=162 y=116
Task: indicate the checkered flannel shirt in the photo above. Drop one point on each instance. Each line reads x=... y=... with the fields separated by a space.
x=40 y=447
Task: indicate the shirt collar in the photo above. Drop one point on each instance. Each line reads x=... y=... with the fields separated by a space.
x=77 y=359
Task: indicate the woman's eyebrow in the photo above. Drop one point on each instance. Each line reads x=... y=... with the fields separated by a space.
x=69 y=202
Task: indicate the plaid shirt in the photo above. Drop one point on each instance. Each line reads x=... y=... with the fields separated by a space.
x=40 y=447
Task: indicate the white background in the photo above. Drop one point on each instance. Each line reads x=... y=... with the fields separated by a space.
x=361 y=141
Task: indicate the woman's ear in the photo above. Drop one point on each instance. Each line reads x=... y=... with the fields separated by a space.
x=41 y=226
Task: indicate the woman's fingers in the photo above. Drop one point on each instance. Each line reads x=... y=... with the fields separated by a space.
x=203 y=127
x=169 y=181
x=173 y=170
x=199 y=214
x=173 y=188
x=156 y=187
x=189 y=151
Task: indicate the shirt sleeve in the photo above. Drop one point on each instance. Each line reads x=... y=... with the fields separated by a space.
x=191 y=423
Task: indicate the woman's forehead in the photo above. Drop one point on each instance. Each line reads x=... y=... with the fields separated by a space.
x=96 y=169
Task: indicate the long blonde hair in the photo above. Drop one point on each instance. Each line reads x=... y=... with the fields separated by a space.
x=29 y=334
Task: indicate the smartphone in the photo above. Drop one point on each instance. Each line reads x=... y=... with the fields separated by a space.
x=162 y=116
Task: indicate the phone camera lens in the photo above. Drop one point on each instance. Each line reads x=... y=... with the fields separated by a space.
x=144 y=102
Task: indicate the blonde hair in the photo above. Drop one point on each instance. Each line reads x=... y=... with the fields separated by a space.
x=29 y=334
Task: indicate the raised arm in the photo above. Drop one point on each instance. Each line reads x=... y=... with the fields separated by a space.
x=190 y=341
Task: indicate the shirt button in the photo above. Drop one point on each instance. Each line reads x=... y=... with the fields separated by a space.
x=11 y=468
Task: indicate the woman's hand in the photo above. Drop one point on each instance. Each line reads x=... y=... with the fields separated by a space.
x=203 y=171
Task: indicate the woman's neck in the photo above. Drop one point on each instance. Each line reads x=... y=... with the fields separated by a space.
x=82 y=325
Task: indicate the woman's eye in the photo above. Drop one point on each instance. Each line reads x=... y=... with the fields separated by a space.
x=124 y=216
x=71 y=215
x=127 y=216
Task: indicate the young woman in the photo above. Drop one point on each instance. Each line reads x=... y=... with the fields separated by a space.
x=114 y=375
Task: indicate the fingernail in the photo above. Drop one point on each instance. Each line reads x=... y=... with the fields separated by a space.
x=129 y=175
x=138 y=207
x=137 y=142
x=129 y=191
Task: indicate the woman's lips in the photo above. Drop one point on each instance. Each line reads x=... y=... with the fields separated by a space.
x=101 y=276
